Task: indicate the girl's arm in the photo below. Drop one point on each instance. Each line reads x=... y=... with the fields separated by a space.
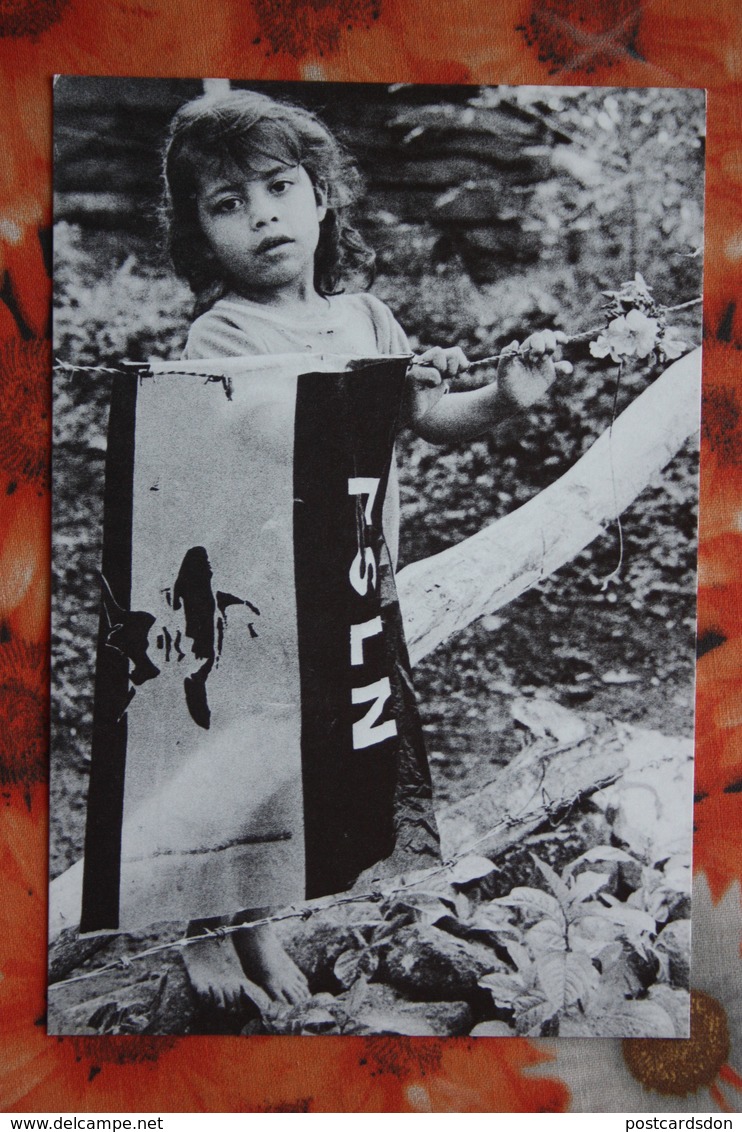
x=523 y=376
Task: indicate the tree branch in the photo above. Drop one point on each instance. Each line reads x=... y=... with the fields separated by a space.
x=443 y=594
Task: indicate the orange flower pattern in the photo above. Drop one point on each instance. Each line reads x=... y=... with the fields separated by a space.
x=536 y=41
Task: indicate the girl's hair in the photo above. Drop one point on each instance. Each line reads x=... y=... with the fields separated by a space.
x=235 y=128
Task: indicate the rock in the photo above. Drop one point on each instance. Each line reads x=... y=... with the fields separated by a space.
x=253 y=1028
x=316 y=944
x=370 y=1008
x=629 y=875
x=117 y=1002
x=673 y=943
x=320 y=1014
x=574 y=836
x=515 y=868
x=177 y=1008
x=641 y=969
x=150 y=996
x=426 y=963
x=384 y=1011
x=69 y=951
x=679 y=906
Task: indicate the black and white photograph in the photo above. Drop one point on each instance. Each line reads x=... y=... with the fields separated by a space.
x=374 y=540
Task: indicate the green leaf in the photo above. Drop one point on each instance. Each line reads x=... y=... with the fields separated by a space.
x=469 y=869
x=545 y=936
x=520 y=957
x=591 y=934
x=586 y=885
x=351 y=964
x=533 y=902
x=554 y=881
x=532 y=1013
x=463 y=906
x=505 y=989
x=428 y=907
x=357 y=997
x=566 y=976
x=492 y=918
x=610 y=956
x=626 y=917
x=599 y=853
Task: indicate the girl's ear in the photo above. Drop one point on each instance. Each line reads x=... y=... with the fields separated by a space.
x=320 y=195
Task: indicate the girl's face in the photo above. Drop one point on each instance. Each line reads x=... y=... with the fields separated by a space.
x=262 y=226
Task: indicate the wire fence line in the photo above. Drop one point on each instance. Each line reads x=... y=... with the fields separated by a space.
x=376 y=894
x=143 y=368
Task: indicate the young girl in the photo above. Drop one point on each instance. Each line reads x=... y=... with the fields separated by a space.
x=257 y=200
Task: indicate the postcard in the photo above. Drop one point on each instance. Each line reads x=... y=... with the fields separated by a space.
x=374 y=554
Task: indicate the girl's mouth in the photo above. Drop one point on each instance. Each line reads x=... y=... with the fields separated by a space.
x=273 y=242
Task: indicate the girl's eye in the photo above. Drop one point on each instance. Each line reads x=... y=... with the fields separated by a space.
x=229 y=204
x=281 y=186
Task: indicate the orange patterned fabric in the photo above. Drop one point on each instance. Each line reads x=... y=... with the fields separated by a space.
x=603 y=42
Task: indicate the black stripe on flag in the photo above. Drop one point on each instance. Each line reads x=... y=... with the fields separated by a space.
x=352 y=701
x=102 y=872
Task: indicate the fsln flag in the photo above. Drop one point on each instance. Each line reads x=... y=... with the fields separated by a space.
x=255 y=739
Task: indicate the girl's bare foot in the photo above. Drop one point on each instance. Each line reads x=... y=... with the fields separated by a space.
x=215 y=974
x=266 y=963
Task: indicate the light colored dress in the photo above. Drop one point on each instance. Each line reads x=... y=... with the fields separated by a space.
x=359 y=325
x=351 y=324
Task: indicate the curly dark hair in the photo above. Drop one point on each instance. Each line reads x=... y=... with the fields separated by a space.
x=236 y=128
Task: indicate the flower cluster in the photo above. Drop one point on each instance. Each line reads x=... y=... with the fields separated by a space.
x=637 y=327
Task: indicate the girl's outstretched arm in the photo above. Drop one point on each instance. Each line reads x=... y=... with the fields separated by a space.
x=523 y=375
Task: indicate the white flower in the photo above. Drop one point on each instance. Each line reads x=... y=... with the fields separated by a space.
x=630 y=335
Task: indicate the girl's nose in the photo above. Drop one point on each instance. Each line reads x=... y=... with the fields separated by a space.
x=261 y=219
x=263 y=210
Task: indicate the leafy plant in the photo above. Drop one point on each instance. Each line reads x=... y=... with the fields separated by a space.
x=575 y=960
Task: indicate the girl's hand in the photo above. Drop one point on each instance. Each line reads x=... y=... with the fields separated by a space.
x=448 y=362
x=428 y=378
x=527 y=371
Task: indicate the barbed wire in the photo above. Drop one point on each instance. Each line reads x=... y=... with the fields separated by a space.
x=143 y=368
x=580 y=336
x=377 y=895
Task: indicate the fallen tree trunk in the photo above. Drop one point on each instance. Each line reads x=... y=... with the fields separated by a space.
x=443 y=594
x=574 y=757
x=570 y=758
